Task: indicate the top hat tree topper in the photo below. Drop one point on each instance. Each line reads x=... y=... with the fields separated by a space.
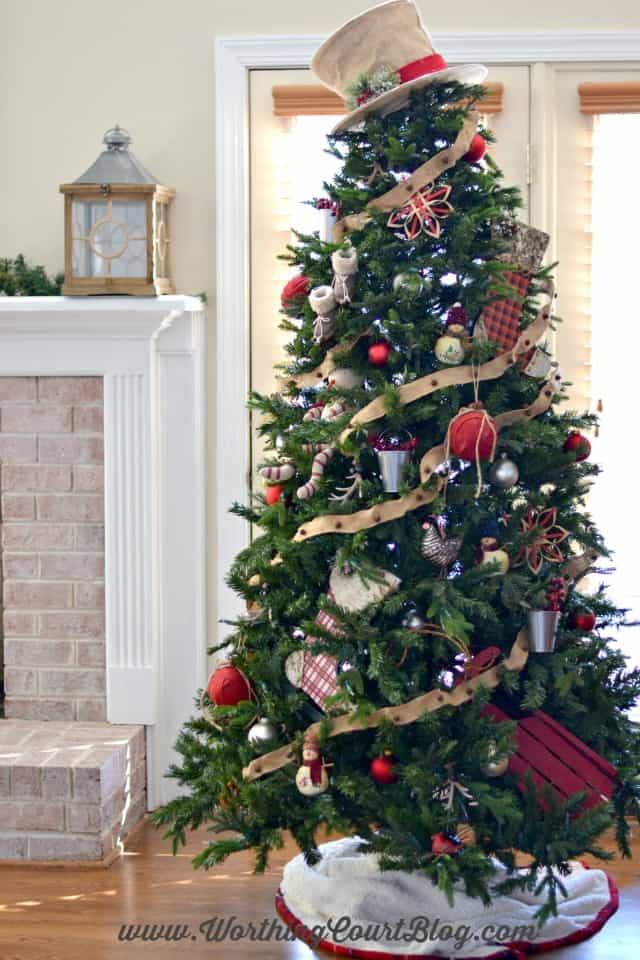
x=385 y=53
x=117 y=226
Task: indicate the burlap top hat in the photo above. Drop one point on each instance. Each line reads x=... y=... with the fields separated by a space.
x=389 y=39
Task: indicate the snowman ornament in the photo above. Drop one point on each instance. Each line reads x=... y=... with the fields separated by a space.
x=311 y=778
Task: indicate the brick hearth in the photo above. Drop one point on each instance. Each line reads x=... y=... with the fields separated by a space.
x=68 y=791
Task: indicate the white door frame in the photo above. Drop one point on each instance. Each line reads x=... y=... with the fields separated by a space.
x=234 y=58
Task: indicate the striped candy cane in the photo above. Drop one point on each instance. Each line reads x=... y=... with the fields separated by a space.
x=318 y=467
x=284 y=472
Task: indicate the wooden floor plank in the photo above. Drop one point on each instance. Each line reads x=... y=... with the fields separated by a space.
x=65 y=914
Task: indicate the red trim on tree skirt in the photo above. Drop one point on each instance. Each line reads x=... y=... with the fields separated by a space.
x=510 y=950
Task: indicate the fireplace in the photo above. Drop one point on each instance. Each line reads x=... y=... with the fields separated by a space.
x=102 y=456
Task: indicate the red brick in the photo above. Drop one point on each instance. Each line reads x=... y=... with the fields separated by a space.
x=71 y=566
x=90 y=537
x=20 y=566
x=17 y=449
x=93 y=710
x=36 y=595
x=19 y=624
x=71 y=681
x=37 y=536
x=88 y=596
x=25 y=781
x=35 y=418
x=20 y=682
x=71 y=506
x=36 y=477
x=13 y=847
x=39 y=653
x=88 y=420
x=70 y=389
x=27 y=815
x=90 y=653
x=89 y=625
x=73 y=449
x=38 y=709
x=17 y=389
x=84 y=817
x=17 y=506
x=56 y=781
x=88 y=479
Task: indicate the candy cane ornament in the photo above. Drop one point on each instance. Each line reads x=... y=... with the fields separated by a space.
x=275 y=474
x=318 y=467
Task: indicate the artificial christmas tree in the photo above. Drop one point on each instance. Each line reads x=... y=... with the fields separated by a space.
x=421 y=741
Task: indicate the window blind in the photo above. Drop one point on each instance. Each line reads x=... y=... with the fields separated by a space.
x=302 y=99
x=620 y=97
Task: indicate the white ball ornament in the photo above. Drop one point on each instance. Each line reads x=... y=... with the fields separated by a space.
x=449 y=347
x=495 y=766
x=408 y=282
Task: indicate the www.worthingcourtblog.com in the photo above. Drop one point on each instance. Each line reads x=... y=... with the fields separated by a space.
x=341 y=930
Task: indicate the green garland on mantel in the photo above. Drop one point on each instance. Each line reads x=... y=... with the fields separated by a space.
x=18 y=278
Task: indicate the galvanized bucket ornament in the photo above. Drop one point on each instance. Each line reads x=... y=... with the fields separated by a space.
x=542 y=628
x=394 y=452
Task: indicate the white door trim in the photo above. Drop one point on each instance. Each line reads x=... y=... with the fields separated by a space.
x=234 y=58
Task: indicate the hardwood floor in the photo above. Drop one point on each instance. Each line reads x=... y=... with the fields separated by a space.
x=51 y=913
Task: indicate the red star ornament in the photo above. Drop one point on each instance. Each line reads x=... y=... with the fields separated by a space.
x=423 y=213
x=543 y=536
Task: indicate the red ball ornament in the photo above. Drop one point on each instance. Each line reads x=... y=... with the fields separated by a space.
x=583 y=620
x=382 y=769
x=578 y=444
x=294 y=292
x=473 y=435
x=228 y=686
x=477 y=150
x=379 y=353
x=441 y=843
x=272 y=493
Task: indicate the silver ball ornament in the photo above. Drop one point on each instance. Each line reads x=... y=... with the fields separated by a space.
x=263 y=731
x=504 y=473
x=280 y=442
x=412 y=620
x=411 y=283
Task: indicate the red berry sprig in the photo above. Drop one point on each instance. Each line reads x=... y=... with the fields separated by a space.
x=556 y=594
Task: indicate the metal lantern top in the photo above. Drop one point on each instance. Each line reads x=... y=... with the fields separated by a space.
x=116 y=164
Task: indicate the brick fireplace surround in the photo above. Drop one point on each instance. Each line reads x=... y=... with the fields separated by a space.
x=103 y=564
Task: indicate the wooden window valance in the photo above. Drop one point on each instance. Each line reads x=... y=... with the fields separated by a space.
x=621 y=97
x=302 y=99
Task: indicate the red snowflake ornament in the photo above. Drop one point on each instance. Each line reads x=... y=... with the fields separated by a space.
x=423 y=213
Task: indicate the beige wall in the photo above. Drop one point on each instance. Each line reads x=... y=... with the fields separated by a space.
x=71 y=69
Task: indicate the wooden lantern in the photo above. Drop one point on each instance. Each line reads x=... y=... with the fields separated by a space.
x=117 y=237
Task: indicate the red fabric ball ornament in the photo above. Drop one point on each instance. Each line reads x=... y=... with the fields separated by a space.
x=441 y=843
x=472 y=434
x=228 y=686
x=294 y=292
x=457 y=316
x=379 y=353
x=477 y=150
x=583 y=620
x=382 y=769
x=272 y=493
x=578 y=444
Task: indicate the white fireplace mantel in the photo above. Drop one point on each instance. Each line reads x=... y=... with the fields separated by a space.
x=150 y=352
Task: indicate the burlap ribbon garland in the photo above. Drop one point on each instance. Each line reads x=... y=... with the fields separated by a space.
x=427 y=702
x=427 y=173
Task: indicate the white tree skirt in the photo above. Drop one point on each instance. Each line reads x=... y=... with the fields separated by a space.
x=353 y=909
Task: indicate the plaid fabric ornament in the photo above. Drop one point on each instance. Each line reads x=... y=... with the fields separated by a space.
x=423 y=213
x=315 y=673
x=500 y=319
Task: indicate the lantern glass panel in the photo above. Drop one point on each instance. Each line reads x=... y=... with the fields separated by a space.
x=109 y=238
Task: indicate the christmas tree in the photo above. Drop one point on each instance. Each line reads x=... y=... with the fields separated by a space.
x=420 y=663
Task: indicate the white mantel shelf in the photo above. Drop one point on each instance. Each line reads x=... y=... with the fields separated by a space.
x=150 y=352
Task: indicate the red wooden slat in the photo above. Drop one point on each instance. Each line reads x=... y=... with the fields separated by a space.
x=565 y=749
x=599 y=761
